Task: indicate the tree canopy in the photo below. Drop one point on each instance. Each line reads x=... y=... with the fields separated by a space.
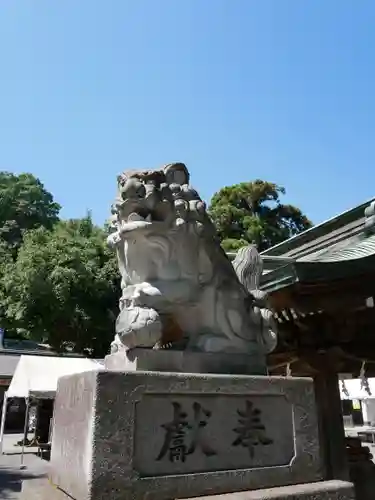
x=252 y=212
x=24 y=204
x=63 y=287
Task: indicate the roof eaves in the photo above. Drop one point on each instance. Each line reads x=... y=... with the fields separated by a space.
x=279 y=278
x=320 y=230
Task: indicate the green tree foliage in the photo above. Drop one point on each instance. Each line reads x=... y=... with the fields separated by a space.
x=251 y=212
x=24 y=205
x=63 y=287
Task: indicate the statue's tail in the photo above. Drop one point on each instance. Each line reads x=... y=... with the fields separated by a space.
x=248 y=266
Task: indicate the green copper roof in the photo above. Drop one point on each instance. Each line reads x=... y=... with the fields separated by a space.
x=363 y=247
x=340 y=248
x=331 y=232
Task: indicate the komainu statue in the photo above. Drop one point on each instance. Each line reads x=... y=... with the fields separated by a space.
x=179 y=289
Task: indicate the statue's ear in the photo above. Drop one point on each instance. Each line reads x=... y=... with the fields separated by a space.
x=176 y=173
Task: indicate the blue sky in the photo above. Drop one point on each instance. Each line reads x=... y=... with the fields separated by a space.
x=282 y=90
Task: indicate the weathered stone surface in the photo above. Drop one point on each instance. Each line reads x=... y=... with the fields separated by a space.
x=178 y=286
x=131 y=435
x=325 y=490
x=185 y=362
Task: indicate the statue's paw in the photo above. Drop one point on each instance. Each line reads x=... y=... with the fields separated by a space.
x=138 y=327
x=146 y=336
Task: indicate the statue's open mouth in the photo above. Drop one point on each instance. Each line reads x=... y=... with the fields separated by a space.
x=141 y=215
x=148 y=210
x=143 y=220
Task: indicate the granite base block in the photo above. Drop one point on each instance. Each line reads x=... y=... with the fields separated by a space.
x=324 y=490
x=41 y=489
x=185 y=362
x=139 y=435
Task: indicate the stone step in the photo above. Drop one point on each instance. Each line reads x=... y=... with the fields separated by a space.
x=323 y=490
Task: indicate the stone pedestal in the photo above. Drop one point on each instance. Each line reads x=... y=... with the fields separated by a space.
x=325 y=490
x=162 y=436
x=186 y=362
x=41 y=489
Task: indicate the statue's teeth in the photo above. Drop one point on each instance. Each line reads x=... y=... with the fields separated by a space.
x=135 y=217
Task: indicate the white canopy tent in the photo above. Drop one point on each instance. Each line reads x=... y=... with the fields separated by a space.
x=37 y=376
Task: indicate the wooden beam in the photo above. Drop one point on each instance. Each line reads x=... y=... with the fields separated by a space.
x=324 y=369
x=331 y=427
x=329 y=295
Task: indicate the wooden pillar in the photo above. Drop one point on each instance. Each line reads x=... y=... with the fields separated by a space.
x=331 y=426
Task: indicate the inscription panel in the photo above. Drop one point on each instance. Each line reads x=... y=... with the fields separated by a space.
x=182 y=434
